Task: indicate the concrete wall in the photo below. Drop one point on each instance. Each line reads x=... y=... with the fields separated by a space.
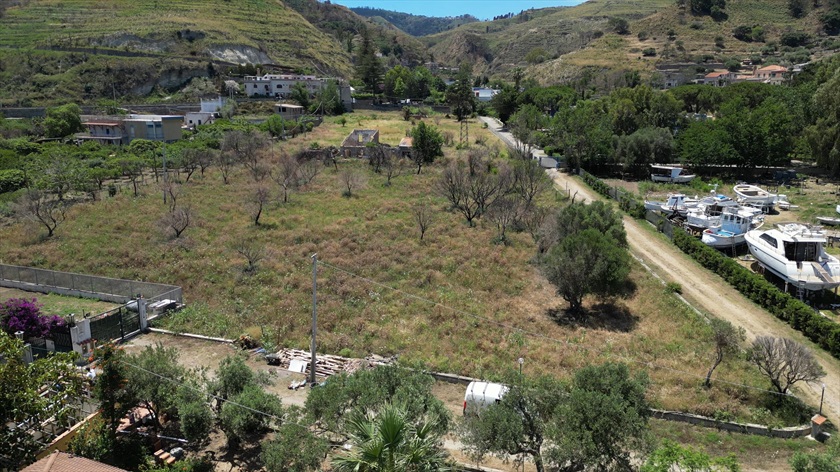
x=744 y=428
x=107 y=297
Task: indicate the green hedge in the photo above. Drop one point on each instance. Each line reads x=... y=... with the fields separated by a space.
x=800 y=316
x=626 y=201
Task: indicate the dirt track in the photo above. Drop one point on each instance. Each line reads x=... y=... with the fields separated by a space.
x=712 y=294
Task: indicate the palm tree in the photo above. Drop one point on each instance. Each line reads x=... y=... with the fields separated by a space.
x=388 y=442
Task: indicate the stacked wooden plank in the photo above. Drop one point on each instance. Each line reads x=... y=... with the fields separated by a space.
x=326 y=364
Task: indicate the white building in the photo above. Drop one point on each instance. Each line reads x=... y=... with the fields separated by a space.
x=280 y=86
x=207 y=114
x=484 y=94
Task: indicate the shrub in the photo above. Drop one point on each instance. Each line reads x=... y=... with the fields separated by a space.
x=648 y=52
x=11 y=180
x=673 y=287
x=21 y=314
x=795 y=39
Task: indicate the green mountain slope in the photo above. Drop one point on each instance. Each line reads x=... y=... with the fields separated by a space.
x=134 y=45
x=415 y=25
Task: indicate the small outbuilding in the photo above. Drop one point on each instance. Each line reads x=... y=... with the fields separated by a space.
x=355 y=144
x=406 y=146
x=287 y=111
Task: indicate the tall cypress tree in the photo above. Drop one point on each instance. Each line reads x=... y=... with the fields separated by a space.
x=368 y=67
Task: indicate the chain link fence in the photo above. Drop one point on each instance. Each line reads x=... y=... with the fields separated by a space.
x=88 y=286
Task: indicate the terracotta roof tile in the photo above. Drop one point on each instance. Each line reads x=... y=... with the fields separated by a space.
x=63 y=462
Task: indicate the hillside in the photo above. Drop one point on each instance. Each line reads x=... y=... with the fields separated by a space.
x=130 y=47
x=681 y=39
x=545 y=34
x=560 y=44
x=415 y=25
x=345 y=25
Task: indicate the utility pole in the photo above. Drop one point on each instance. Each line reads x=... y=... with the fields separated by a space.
x=314 y=315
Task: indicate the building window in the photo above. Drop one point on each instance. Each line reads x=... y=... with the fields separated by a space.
x=107 y=131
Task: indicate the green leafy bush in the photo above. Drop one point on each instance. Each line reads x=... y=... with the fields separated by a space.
x=11 y=180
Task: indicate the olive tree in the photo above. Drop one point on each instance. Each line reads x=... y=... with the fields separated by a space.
x=518 y=424
x=727 y=342
x=604 y=418
x=584 y=263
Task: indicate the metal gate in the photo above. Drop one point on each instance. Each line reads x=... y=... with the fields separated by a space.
x=61 y=337
x=116 y=324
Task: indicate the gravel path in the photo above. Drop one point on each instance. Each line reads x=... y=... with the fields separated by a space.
x=708 y=291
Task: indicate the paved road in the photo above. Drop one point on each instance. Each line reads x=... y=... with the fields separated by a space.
x=706 y=290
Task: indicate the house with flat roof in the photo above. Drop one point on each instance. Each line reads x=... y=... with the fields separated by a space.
x=123 y=129
x=166 y=128
x=288 y=111
x=103 y=130
x=280 y=86
x=484 y=94
x=208 y=112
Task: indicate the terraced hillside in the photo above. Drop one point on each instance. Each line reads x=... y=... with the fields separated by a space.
x=677 y=36
x=559 y=44
x=133 y=46
x=254 y=31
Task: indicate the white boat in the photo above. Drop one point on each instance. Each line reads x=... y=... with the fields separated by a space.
x=669 y=174
x=734 y=224
x=783 y=203
x=754 y=195
x=828 y=220
x=678 y=204
x=653 y=205
x=708 y=210
x=796 y=253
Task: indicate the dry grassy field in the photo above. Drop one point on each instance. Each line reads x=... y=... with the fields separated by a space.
x=491 y=305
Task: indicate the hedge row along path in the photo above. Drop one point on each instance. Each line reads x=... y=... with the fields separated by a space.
x=710 y=292
x=717 y=297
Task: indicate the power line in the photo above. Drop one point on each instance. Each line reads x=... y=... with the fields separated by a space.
x=534 y=333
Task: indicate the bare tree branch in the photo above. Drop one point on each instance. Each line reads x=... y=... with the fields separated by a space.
x=785 y=362
x=424 y=216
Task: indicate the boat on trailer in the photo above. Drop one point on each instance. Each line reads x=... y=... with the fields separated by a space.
x=670 y=174
x=796 y=253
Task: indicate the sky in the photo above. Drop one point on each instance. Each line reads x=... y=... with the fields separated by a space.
x=481 y=9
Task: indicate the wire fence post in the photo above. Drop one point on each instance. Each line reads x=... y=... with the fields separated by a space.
x=314 y=315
